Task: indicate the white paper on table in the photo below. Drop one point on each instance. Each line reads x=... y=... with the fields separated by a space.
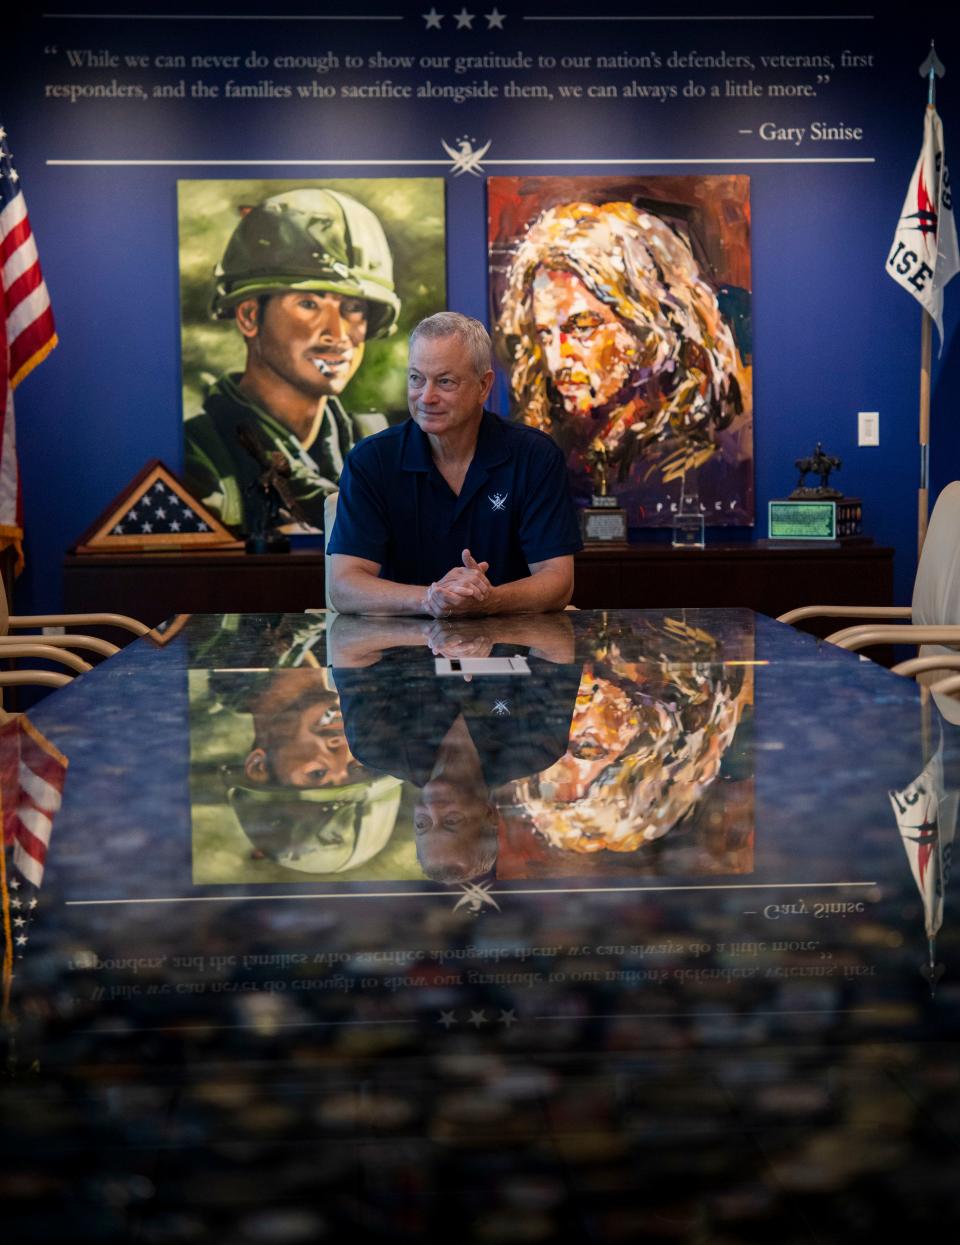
x=475 y=666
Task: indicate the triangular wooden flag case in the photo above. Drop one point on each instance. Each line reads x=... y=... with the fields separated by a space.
x=153 y=514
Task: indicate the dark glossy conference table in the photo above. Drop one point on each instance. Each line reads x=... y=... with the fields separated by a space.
x=628 y=926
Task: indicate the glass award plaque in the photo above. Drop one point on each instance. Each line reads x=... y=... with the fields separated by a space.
x=688 y=526
x=688 y=530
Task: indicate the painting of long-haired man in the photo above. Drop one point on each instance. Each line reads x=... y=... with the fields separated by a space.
x=621 y=314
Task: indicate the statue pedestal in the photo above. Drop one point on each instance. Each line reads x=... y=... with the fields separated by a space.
x=262 y=542
x=815 y=514
x=604 y=521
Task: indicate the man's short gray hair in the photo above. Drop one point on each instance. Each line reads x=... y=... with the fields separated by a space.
x=473 y=335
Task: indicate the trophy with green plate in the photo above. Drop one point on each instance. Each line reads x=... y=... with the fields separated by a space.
x=815 y=512
x=603 y=521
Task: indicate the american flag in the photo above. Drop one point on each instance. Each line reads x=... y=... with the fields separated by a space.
x=30 y=333
x=158 y=512
x=32 y=775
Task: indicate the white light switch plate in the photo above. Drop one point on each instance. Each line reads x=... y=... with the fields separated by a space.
x=868 y=427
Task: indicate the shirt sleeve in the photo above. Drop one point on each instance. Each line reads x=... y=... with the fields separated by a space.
x=361 y=528
x=548 y=526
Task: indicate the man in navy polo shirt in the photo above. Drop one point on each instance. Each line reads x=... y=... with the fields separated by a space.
x=455 y=511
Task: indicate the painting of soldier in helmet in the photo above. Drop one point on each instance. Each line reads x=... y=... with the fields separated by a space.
x=276 y=792
x=620 y=312
x=296 y=300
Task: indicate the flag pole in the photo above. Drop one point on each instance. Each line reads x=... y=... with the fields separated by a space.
x=931 y=69
x=923 y=495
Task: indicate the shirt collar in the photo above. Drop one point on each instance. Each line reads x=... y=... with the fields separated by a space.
x=491 y=446
x=491 y=443
x=415 y=455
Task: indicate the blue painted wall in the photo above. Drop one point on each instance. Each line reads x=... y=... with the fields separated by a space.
x=832 y=333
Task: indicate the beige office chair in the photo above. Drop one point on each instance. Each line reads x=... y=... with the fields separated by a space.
x=921 y=666
x=934 y=616
x=14 y=649
x=40 y=678
x=56 y=649
x=92 y=644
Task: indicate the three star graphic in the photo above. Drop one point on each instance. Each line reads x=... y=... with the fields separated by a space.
x=478 y=1018
x=464 y=20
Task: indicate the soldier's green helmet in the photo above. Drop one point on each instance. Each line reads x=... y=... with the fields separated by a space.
x=316 y=829
x=307 y=239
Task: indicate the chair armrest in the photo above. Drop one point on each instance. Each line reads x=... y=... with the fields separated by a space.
x=43 y=678
x=947 y=687
x=88 y=642
x=845 y=611
x=48 y=652
x=919 y=665
x=855 y=638
x=72 y=620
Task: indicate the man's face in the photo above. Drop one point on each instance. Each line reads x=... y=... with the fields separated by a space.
x=301 y=741
x=313 y=341
x=605 y=723
x=316 y=753
x=444 y=392
x=455 y=830
x=588 y=353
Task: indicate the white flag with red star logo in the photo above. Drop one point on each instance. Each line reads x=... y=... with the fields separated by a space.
x=924 y=255
x=926 y=814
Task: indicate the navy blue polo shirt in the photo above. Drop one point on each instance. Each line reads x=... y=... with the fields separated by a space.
x=396 y=509
x=527 y=739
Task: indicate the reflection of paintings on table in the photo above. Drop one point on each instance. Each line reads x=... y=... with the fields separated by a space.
x=632 y=761
x=621 y=316
x=297 y=298
x=638 y=791
x=455 y=741
x=276 y=794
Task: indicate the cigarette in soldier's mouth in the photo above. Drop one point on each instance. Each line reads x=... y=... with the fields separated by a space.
x=323 y=367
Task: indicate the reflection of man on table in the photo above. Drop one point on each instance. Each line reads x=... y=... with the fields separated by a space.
x=457 y=741
x=307 y=278
x=455 y=511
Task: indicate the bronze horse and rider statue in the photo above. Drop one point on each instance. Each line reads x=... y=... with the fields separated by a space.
x=821 y=464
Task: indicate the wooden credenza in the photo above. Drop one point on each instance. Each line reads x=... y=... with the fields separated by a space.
x=764 y=578
x=768 y=578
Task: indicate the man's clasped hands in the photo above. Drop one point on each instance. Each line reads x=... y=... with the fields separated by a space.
x=463 y=590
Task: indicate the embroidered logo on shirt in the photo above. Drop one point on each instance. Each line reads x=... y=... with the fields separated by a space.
x=500 y=708
x=498 y=501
